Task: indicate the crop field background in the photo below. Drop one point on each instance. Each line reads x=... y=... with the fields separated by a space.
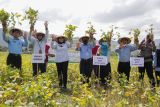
x=43 y=91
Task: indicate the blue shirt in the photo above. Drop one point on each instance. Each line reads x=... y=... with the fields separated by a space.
x=104 y=50
x=15 y=45
x=125 y=52
x=86 y=51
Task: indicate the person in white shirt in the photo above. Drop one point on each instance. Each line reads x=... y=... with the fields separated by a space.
x=60 y=46
x=39 y=40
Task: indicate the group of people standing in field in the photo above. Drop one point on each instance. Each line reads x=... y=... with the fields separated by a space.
x=87 y=48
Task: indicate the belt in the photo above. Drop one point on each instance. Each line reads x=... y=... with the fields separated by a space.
x=86 y=59
x=14 y=54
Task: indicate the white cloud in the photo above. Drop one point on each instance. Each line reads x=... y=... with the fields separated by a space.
x=123 y=13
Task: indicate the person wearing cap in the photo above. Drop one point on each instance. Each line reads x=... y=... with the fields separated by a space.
x=105 y=70
x=86 y=46
x=39 y=40
x=61 y=46
x=157 y=65
x=124 y=52
x=15 y=44
x=146 y=48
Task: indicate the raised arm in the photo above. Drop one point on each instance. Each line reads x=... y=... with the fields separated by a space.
x=54 y=45
x=92 y=42
x=5 y=38
x=142 y=45
x=47 y=31
x=117 y=49
x=68 y=44
x=31 y=37
x=25 y=42
x=133 y=47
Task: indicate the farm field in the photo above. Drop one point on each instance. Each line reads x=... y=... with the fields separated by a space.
x=43 y=90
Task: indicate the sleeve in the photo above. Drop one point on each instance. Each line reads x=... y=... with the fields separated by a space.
x=68 y=44
x=54 y=45
x=117 y=50
x=25 y=42
x=133 y=47
x=46 y=35
x=141 y=46
x=5 y=38
x=31 y=39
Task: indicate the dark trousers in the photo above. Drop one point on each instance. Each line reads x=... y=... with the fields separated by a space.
x=14 y=61
x=62 y=69
x=149 y=69
x=124 y=68
x=86 y=68
x=38 y=67
x=96 y=70
x=105 y=73
x=157 y=73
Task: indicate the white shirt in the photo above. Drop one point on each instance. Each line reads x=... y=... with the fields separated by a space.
x=61 y=51
x=39 y=45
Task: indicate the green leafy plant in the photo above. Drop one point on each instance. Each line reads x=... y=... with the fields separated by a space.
x=69 y=29
x=150 y=31
x=15 y=18
x=43 y=90
x=136 y=33
x=32 y=16
x=109 y=34
x=4 y=18
x=90 y=30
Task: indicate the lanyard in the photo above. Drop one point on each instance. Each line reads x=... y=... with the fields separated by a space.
x=40 y=51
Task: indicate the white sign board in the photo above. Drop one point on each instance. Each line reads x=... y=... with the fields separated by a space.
x=137 y=61
x=100 y=60
x=38 y=58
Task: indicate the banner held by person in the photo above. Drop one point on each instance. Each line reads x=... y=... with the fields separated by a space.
x=100 y=60
x=137 y=61
x=38 y=58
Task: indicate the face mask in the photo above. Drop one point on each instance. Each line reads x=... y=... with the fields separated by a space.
x=61 y=42
x=104 y=43
x=85 y=42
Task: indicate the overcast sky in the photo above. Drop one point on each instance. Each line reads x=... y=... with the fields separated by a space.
x=125 y=14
